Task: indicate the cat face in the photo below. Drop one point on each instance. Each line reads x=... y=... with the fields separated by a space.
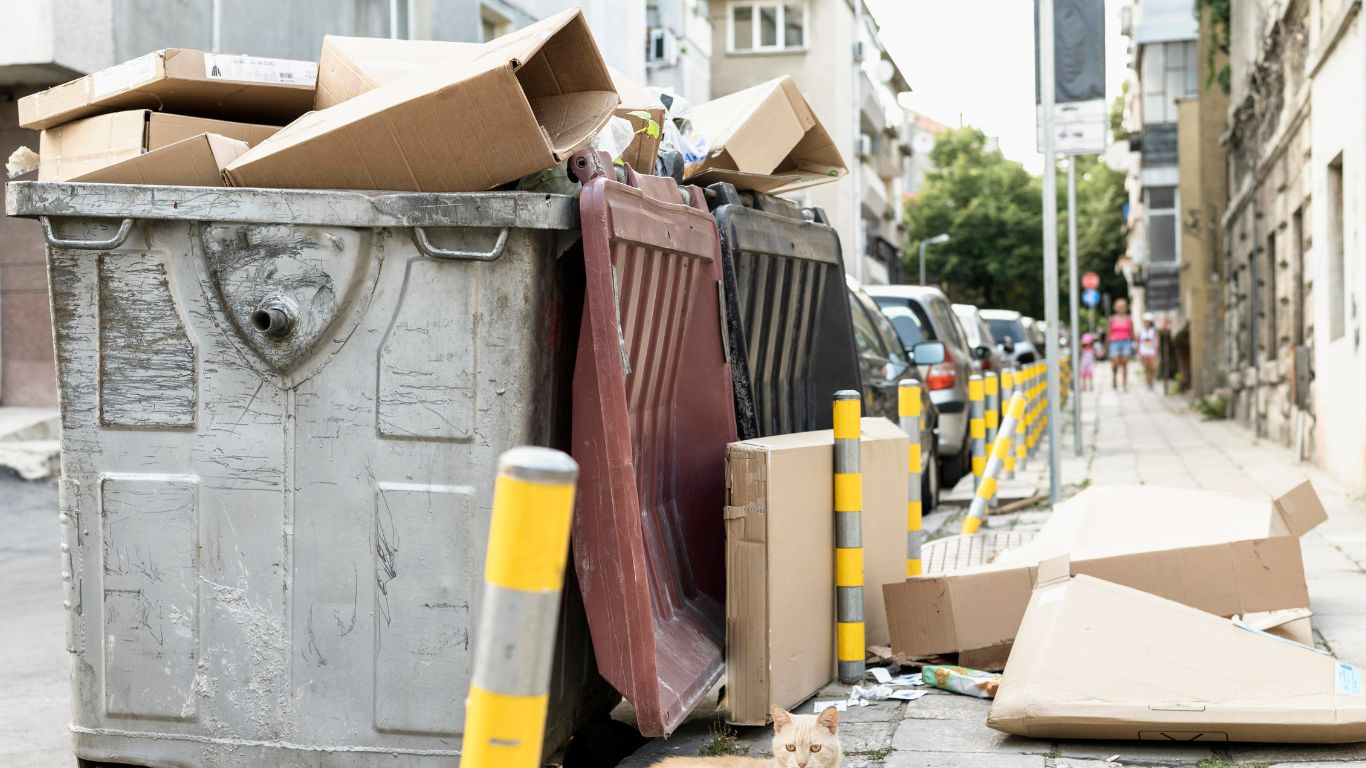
x=806 y=741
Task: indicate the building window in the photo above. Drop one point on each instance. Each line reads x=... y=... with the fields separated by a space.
x=1161 y=203
x=767 y=26
x=493 y=24
x=1337 y=266
x=1170 y=71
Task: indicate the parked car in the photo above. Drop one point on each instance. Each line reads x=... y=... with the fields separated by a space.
x=885 y=361
x=1037 y=332
x=1012 y=338
x=984 y=351
x=921 y=313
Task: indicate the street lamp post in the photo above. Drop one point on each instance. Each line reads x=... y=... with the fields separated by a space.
x=943 y=237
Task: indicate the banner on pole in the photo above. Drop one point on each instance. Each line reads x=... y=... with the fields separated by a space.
x=1080 y=115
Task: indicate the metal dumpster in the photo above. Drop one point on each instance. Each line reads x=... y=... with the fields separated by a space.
x=652 y=417
x=281 y=412
x=792 y=339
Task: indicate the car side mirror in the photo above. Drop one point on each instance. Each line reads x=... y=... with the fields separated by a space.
x=929 y=353
x=981 y=353
x=1008 y=345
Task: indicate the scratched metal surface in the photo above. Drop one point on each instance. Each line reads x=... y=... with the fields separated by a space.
x=272 y=547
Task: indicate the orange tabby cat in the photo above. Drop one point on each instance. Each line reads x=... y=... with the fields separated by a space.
x=799 y=741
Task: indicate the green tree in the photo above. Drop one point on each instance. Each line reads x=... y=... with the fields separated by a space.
x=1100 y=224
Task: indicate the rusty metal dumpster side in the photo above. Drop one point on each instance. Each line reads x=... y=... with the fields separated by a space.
x=792 y=337
x=272 y=540
x=652 y=417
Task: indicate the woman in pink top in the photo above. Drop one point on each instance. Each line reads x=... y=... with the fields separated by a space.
x=1121 y=338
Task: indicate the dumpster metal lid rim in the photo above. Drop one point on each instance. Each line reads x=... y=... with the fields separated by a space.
x=347 y=208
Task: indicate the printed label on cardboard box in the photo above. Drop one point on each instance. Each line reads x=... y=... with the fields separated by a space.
x=125 y=75
x=1348 y=680
x=255 y=69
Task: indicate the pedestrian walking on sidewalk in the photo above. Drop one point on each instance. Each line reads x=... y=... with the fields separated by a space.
x=1121 y=337
x=1087 y=362
x=1147 y=349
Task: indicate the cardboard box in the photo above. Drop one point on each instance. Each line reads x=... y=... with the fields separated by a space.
x=76 y=149
x=1223 y=553
x=764 y=138
x=228 y=86
x=499 y=111
x=1096 y=660
x=780 y=560
x=194 y=162
x=350 y=66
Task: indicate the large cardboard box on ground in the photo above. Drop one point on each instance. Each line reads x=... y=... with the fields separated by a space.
x=493 y=113
x=226 y=86
x=1096 y=660
x=765 y=138
x=194 y=162
x=350 y=66
x=78 y=148
x=1222 y=553
x=780 y=560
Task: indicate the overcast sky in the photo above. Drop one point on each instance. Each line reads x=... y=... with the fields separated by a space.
x=974 y=60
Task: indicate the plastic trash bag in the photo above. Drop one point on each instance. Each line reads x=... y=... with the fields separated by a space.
x=969 y=682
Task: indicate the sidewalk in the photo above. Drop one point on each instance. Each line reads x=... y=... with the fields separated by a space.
x=1133 y=437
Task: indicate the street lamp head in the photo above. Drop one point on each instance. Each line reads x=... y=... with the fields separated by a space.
x=943 y=237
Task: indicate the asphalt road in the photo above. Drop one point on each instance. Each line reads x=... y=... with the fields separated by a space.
x=34 y=697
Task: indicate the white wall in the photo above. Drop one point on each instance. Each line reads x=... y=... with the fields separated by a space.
x=618 y=26
x=1339 y=126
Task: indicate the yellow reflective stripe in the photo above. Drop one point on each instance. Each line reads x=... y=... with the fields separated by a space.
x=1017 y=407
x=846 y=419
x=970 y=525
x=503 y=731
x=849 y=641
x=915 y=518
x=848 y=566
x=993 y=418
x=913 y=458
x=1007 y=379
x=1010 y=460
x=975 y=389
x=978 y=427
x=1002 y=447
x=987 y=489
x=913 y=568
x=908 y=402
x=529 y=534
x=991 y=384
x=849 y=492
x=979 y=464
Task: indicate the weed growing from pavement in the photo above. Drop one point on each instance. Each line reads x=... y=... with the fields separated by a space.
x=879 y=754
x=1219 y=762
x=724 y=741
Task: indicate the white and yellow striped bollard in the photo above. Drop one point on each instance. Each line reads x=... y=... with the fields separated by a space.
x=909 y=410
x=1008 y=391
x=977 y=427
x=533 y=506
x=849 y=637
x=999 y=451
x=992 y=390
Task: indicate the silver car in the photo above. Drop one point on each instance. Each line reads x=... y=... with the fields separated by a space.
x=1012 y=337
x=988 y=357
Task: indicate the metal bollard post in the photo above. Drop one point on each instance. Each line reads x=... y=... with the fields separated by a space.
x=908 y=408
x=1021 y=451
x=1007 y=392
x=849 y=645
x=977 y=427
x=533 y=506
x=999 y=451
x=991 y=385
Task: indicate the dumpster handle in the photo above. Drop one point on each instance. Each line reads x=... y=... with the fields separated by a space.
x=86 y=245
x=425 y=245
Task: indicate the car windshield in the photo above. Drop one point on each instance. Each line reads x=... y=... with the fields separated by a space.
x=906 y=322
x=970 y=328
x=1001 y=328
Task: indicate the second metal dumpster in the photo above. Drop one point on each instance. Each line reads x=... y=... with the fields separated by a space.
x=792 y=339
x=652 y=417
x=281 y=412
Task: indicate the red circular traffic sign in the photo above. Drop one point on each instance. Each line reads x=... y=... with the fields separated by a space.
x=1090 y=281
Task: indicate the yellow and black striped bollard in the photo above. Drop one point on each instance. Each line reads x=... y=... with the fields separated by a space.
x=533 y=506
x=909 y=409
x=977 y=427
x=849 y=645
x=1000 y=449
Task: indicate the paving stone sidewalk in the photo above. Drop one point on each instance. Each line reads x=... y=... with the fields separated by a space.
x=1132 y=437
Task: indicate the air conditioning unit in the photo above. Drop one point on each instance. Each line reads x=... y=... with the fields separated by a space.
x=661 y=47
x=865 y=146
x=1126 y=21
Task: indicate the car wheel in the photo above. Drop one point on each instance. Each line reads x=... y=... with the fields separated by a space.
x=929 y=484
x=952 y=469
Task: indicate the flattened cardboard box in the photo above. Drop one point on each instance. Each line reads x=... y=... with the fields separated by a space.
x=765 y=138
x=229 y=86
x=780 y=572
x=194 y=162
x=496 y=112
x=1096 y=660
x=350 y=66
x=1223 y=553
x=71 y=151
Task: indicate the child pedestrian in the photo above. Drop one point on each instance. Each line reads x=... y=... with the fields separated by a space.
x=1088 y=362
x=1147 y=349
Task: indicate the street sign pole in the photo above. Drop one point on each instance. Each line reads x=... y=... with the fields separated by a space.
x=1050 y=237
x=1074 y=300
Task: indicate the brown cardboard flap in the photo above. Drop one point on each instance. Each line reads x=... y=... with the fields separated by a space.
x=194 y=162
x=1301 y=509
x=1053 y=570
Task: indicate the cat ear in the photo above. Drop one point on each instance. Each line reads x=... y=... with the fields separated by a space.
x=781 y=719
x=829 y=717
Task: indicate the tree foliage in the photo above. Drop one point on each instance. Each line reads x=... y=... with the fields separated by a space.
x=991 y=209
x=1215 y=24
